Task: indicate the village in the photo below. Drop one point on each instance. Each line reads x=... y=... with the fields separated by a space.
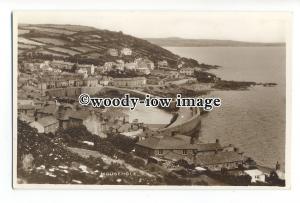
x=47 y=91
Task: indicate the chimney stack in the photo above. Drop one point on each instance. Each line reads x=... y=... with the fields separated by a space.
x=277 y=167
x=192 y=140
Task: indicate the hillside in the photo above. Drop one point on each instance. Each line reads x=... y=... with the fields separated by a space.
x=84 y=44
x=180 y=42
x=46 y=159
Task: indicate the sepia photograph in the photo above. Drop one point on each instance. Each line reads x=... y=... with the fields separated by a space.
x=151 y=98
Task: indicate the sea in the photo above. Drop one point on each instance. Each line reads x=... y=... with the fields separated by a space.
x=253 y=120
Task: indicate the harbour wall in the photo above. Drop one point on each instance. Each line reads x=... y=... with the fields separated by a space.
x=188 y=127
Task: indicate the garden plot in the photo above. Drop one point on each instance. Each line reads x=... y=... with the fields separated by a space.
x=83 y=49
x=25 y=46
x=53 y=41
x=27 y=41
x=93 y=55
x=64 y=50
x=21 y=32
x=53 y=30
x=45 y=52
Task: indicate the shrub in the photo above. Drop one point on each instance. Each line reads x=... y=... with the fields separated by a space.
x=138 y=163
x=172 y=179
x=123 y=142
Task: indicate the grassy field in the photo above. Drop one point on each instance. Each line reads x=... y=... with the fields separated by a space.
x=27 y=41
x=63 y=50
x=53 y=30
x=83 y=49
x=45 y=52
x=26 y=46
x=21 y=32
x=53 y=41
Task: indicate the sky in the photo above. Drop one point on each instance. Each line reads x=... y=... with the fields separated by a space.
x=241 y=26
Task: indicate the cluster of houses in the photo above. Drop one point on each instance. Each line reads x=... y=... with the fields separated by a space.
x=53 y=74
x=48 y=117
x=166 y=150
x=169 y=150
x=74 y=80
x=39 y=77
x=123 y=52
x=180 y=147
x=129 y=82
x=140 y=65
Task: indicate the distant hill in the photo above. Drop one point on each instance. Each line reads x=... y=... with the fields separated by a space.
x=180 y=42
x=84 y=44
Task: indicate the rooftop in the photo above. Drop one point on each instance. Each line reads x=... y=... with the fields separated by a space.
x=50 y=109
x=218 y=158
x=177 y=142
x=175 y=156
x=46 y=121
x=209 y=147
x=129 y=79
x=81 y=115
x=253 y=172
x=166 y=142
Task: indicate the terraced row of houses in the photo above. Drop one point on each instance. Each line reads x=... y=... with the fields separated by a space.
x=48 y=117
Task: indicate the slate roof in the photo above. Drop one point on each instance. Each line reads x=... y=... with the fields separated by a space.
x=219 y=158
x=50 y=109
x=209 y=147
x=64 y=114
x=26 y=118
x=175 y=156
x=81 y=115
x=264 y=169
x=177 y=142
x=166 y=142
x=46 y=121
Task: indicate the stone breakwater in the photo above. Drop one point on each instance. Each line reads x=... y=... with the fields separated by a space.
x=186 y=127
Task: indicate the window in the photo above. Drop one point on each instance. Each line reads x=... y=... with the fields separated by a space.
x=160 y=151
x=184 y=151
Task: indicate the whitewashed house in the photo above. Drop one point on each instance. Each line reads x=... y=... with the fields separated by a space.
x=256 y=175
x=112 y=52
x=126 y=52
x=46 y=124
